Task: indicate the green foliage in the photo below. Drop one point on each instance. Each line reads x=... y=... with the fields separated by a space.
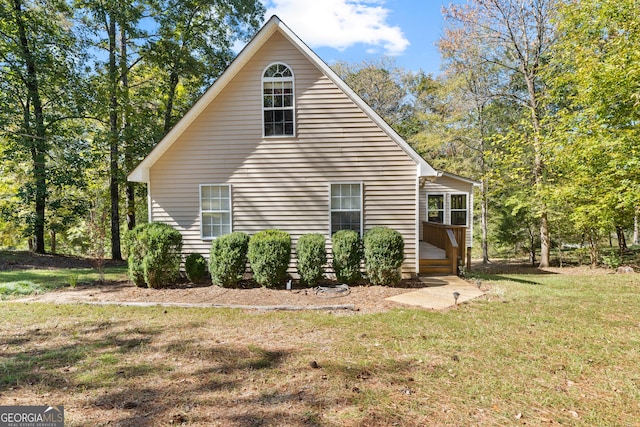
x=154 y=254
x=228 y=258
x=196 y=267
x=347 y=256
x=134 y=246
x=383 y=253
x=612 y=259
x=312 y=256
x=21 y=287
x=269 y=255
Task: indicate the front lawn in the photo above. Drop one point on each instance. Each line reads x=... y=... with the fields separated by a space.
x=538 y=350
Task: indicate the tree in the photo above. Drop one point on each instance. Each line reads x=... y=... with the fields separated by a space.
x=115 y=25
x=514 y=36
x=595 y=75
x=382 y=85
x=194 y=44
x=38 y=61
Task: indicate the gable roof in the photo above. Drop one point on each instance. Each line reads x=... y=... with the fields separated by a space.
x=141 y=172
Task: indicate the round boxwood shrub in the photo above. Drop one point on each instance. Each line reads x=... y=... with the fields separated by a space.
x=383 y=255
x=269 y=255
x=196 y=267
x=154 y=254
x=347 y=256
x=228 y=258
x=312 y=256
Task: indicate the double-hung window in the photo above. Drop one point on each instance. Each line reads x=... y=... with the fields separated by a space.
x=278 y=101
x=215 y=211
x=459 y=209
x=346 y=207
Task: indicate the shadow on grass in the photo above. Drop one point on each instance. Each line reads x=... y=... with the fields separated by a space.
x=46 y=357
x=134 y=373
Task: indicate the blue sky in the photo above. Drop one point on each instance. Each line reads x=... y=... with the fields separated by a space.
x=357 y=30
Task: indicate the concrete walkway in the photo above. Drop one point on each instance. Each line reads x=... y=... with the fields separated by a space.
x=438 y=293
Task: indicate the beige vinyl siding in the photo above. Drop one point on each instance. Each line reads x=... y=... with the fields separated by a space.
x=283 y=182
x=448 y=185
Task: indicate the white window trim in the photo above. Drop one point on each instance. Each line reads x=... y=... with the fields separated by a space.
x=444 y=207
x=264 y=79
x=211 y=238
x=361 y=184
x=466 y=209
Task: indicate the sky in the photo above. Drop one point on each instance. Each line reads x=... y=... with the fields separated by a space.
x=357 y=30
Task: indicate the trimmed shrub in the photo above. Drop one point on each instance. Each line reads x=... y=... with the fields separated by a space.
x=228 y=258
x=312 y=256
x=269 y=255
x=155 y=253
x=383 y=254
x=347 y=256
x=196 y=267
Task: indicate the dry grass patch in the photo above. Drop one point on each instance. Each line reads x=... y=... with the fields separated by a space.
x=545 y=349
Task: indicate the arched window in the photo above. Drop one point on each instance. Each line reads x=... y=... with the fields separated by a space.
x=278 y=101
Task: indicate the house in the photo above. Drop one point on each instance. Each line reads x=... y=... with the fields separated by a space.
x=280 y=141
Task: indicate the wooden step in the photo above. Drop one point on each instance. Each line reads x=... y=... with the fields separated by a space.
x=435 y=262
x=435 y=270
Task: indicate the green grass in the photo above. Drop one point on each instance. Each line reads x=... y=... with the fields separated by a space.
x=538 y=350
x=26 y=282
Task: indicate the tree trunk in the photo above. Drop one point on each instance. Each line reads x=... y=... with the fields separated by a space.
x=538 y=168
x=52 y=237
x=38 y=142
x=622 y=240
x=113 y=142
x=532 y=248
x=173 y=84
x=635 y=229
x=127 y=134
x=484 y=222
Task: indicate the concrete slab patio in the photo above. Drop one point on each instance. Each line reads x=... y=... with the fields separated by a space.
x=438 y=293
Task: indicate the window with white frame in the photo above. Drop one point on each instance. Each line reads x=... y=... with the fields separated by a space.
x=435 y=208
x=346 y=207
x=458 y=209
x=215 y=211
x=278 y=101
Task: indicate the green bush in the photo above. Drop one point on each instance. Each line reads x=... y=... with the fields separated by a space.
x=612 y=259
x=347 y=256
x=269 y=255
x=154 y=254
x=135 y=255
x=383 y=255
x=228 y=258
x=312 y=256
x=196 y=267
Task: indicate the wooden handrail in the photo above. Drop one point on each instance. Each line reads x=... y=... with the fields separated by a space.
x=451 y=250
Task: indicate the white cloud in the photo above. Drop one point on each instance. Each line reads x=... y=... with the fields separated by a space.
x=340 y=23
